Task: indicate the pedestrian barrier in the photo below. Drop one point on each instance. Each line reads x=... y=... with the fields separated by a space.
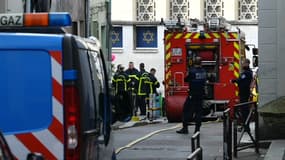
x=197 y=151
x=252 y=117
x=232 y=142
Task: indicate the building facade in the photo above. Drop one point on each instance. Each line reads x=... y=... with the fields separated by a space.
x=271 y=50
x=137 y=34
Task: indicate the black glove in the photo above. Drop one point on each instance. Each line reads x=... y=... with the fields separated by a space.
x=233 y=81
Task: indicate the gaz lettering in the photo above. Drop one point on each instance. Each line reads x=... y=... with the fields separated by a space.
x=11 y=20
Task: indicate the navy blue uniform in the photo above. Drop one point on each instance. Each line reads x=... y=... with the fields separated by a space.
x=244 y=82
x=143 y=91
x=194 y=102
x=120 y=82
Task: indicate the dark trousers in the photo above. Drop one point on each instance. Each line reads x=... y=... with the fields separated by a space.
x=122 y=105
x=141 y=103
x=244 y=110
x=192 y=110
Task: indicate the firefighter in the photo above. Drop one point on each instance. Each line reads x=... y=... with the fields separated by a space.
x=154 y=82
x=119 y=82
x=244 y=82
x=193 y=104
x=133 y=75
x=143 y=90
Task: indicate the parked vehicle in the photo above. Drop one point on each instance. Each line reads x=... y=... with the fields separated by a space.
x=54 y=90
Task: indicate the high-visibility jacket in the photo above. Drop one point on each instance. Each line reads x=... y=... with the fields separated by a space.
x=154 y=84
x=120 y=82
x=144 y=84
x=134 y=79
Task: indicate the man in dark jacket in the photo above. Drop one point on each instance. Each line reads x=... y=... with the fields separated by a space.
x=194 y=101
x=243 y=83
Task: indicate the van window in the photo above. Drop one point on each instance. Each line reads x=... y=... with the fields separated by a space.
x=89 y=110
x=25 y=90
x=98 y=79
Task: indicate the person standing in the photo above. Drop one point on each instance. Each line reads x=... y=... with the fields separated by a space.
x=194 y=101
x=143 y=89
x=244 y=82
x=133 y=75
x=154 y=82
x=119 y=82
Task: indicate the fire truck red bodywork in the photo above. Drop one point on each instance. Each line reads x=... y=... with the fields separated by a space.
x=221 y=54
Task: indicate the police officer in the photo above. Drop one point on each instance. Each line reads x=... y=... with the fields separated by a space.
x=244 y=82
x=193 y=103
x=120 y=82
x=133 y=75
x=143 y=89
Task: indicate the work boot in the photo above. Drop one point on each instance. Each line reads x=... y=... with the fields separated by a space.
x=182 y=131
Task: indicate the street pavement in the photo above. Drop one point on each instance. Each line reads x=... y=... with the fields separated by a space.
x=155 y=140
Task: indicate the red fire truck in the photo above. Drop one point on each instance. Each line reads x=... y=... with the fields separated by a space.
x=221 y=51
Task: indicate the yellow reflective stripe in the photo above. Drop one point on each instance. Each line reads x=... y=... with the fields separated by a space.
x=225 y=35
x=207 y=35
x=168 y=36
x=194 y=47
x=236 y=45
x=178 y=35
x=210 y=47
x=196 y=35
x=168 y=55
x=236 y=55
x=134 y=76
x=236 y=93
x=167 y=46
x=234 y=35
x=188 y=35
x=236 y=74
x=216 y=35
x=236 y=65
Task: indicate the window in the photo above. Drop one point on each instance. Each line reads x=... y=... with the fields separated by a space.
x=248 y=10
x=146 y=37
x=214 y=8
x=179 y=8
x=145 y=10
x=117 y=37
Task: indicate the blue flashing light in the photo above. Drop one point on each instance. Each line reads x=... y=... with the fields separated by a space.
x=70 y=75
x=60 y=19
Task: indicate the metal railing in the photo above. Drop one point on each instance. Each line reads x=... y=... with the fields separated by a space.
x=197 y=151
x=245 y=127
x=231 y=140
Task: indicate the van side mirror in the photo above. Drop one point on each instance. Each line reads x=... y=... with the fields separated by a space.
x=255 y=61
x=35 y=156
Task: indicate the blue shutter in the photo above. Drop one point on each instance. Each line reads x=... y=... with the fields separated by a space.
x=117 y=37
x=146 y=37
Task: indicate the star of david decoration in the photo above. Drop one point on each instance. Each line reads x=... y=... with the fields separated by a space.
x=115 y=37
x=148 y=36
